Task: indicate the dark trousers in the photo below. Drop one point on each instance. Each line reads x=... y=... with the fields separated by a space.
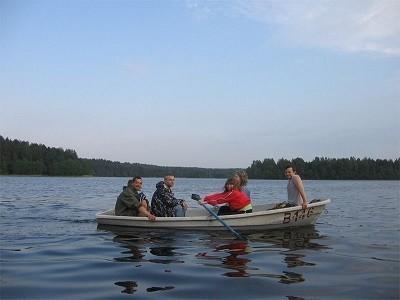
x=225 y=210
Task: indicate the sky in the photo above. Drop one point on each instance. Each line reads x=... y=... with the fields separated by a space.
x=202 y=83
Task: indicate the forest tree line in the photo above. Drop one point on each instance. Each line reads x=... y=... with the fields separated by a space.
x=101 y=167
x=24 y=158
x=328 y=168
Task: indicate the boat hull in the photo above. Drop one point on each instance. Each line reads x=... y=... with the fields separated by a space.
x=201 y=220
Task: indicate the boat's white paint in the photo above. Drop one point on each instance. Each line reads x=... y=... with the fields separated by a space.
x=263 y=217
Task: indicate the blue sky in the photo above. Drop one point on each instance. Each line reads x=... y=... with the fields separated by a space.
x=202 y=83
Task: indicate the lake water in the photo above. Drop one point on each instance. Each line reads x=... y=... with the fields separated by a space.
x=51 y=248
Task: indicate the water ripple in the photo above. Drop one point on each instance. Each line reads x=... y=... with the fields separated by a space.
x=51 y=247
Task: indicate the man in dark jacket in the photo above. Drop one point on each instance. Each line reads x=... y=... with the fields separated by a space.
x=131 y=203
x=164 y=203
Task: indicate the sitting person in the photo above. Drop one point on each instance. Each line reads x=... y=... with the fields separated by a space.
x=242 y=178
x=295 y=188
x=132 y=203
x=237 y=201
x=164 y=203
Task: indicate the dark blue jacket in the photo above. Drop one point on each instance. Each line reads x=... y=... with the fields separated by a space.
x=164 y=202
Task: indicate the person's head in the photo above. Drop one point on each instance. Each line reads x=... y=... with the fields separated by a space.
x=241 y=177
x=290 y=170
x=237 y=180
x=136 y=183
x=230 y=184
x=169 y=180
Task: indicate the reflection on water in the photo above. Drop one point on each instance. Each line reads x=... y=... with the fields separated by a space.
x=159 y=288
x=291 y=238
x=294 y=298
x=233 y=261
x=129 y=286
x=295 y=260
x=235 y=258
x=237 y=261
x=167 y=252
x=133 y=254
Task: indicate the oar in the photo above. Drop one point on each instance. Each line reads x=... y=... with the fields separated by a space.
x=234 y=232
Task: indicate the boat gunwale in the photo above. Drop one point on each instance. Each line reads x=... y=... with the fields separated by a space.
x=103 y=215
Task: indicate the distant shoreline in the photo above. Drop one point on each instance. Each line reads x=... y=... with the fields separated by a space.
x=160 y=177
x=30 y=159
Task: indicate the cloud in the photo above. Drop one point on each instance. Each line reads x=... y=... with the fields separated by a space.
x=204 y=9
x=350 y=26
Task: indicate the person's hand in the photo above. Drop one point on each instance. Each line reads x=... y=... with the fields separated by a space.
x=203 y=202
x=184 y=205
x=211 y=202
x=151 y=217
x=304 y=205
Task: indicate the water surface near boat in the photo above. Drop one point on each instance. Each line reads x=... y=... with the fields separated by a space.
x=50 y=246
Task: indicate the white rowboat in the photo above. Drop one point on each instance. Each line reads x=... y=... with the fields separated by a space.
x=262 y=217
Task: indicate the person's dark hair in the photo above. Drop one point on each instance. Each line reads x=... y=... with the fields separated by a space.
x=135 y=178
x=130 y=181
x=291 y=166
x=229 y=181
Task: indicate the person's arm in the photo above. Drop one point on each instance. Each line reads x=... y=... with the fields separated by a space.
x=300 y=187
x=143 y=211
x=169 y=199
x=218 y=198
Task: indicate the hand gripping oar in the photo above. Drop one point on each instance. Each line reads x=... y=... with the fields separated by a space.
x=234 y=232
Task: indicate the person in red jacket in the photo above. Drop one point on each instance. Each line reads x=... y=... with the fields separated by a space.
x=237 y=201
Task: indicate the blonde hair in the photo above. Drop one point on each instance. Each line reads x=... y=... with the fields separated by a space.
x=244 y=178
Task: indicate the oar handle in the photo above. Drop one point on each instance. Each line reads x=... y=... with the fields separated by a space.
x=198 y=198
